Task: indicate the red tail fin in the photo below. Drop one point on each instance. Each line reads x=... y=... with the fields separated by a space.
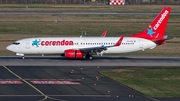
x=157 y=27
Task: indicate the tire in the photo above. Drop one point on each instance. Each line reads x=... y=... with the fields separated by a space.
x=90 y=57
x=23 y=57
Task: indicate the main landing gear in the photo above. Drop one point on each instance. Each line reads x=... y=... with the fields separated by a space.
x=89 y=57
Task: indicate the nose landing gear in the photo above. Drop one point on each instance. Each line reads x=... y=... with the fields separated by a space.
x=22 y=55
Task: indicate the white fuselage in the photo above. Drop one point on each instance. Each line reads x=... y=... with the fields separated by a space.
x=58 y=45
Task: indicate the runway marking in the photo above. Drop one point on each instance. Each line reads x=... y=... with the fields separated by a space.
x=45 y=96
x=56 y=95
x=53 y=82
x=46 y=79
x=3 y=82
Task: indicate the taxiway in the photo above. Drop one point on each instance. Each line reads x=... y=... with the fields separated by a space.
x=79 y=83
x=98 y=61
x=52 y=78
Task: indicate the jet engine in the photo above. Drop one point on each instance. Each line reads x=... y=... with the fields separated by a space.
x=74 y=54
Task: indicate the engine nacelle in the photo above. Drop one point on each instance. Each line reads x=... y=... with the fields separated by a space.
x=73 y=54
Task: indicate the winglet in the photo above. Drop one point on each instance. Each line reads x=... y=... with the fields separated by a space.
x=104 y=33
x=119 y=41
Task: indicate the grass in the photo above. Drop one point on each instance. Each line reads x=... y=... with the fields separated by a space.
x=156 y=82
x=14 y=27
x=72 y=25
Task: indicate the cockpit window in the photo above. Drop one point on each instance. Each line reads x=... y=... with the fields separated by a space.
x=16 y=43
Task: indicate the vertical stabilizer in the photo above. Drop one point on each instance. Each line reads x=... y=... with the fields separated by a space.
x=157 y=28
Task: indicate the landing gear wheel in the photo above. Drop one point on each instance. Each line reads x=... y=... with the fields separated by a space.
x=89 y=57
x=23 y=57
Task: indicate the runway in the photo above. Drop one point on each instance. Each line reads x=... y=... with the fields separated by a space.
x=83 y=13
x=52 y=78
x=38 y=83
x=98 y=61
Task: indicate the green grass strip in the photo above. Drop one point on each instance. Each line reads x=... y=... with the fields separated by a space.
x=156 y=82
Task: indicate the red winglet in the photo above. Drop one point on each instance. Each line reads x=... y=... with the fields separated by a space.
x=104 y=33
x=119 y=41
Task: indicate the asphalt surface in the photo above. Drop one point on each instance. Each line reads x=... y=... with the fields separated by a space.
x=98 y=61
x=81 y=13
x=81 y=78
x=89 y=89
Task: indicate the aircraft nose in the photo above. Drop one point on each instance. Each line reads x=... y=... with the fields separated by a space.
x=9 y=47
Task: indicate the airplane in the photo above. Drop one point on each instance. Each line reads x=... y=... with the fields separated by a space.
x=86 y=47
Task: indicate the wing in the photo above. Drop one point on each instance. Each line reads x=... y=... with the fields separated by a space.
x=101 y=48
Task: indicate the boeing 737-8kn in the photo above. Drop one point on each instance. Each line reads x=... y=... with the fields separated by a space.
x=85 y=47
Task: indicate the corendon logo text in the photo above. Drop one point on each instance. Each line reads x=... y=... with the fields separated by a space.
x=38 y=42
x=161 y=19
x=57 y=43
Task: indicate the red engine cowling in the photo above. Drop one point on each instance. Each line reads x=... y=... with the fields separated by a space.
x=74 y=54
